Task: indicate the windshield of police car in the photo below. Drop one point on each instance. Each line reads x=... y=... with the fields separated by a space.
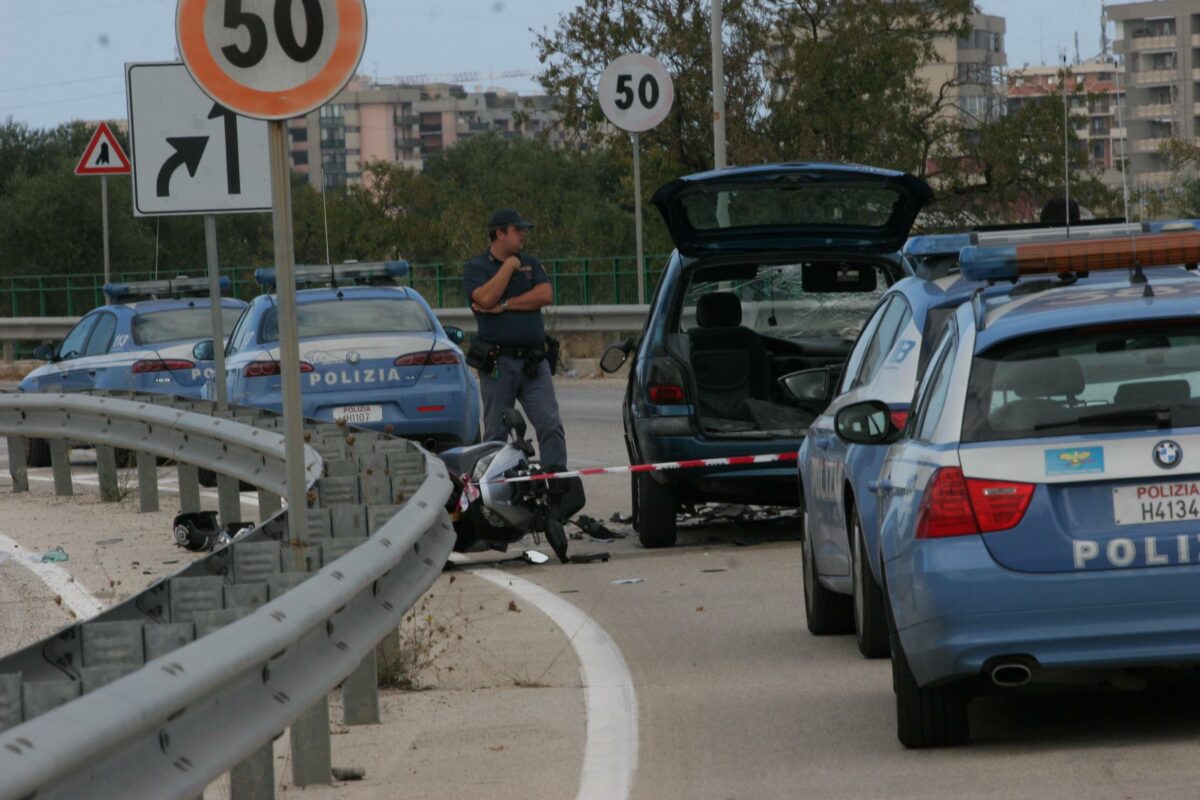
x=1116 y=377
x=778 y=300
x=352 y=318
x=180 y=323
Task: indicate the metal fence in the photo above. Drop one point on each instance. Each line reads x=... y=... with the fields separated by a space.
x=611 y=280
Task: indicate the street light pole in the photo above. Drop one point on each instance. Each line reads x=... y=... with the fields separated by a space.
x=718 y=91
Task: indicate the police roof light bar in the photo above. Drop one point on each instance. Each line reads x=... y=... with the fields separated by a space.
x=179 y=286
x=335 y=273
x=1170 y=248
x=946 y=244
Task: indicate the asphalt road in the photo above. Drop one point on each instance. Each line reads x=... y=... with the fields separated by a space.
x=736 y=700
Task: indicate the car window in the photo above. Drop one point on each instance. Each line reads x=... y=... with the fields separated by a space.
x=1115 y=377
x=854 y=362
x=102 y=335
x=352 y=317
x=180 y=323
x=927 y=404
x=935 y=319
x=72 y=346
x=893 y=321
x=241 y=330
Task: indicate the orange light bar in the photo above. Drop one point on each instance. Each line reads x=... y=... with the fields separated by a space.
x=1150 y=250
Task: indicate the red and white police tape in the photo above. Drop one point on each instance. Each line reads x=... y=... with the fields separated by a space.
x=731 y=461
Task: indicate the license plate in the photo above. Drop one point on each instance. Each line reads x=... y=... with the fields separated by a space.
x=1156 y=502
x=358 y=413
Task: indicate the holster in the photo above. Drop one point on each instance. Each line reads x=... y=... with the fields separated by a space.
x=552 y=348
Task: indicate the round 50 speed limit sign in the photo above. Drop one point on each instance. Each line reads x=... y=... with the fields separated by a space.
x=271 y=59
x=636 y=92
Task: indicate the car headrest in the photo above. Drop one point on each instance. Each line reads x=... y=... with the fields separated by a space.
x=1147 y=392
x=1046 y=377
x=719 y=310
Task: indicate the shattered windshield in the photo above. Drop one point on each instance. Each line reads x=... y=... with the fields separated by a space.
x=789 y=301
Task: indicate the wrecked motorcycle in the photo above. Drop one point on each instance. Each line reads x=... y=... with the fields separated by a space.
x=489 y=513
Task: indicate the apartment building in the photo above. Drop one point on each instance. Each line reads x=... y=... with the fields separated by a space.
x=971 y=67
x=1158 y=43
x=406 y=124
x=1095 y=96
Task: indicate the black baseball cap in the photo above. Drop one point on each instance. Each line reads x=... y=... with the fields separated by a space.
x=505 y=217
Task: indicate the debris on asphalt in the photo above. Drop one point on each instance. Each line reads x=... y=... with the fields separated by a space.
x=617 y=518
x=712 y=570
x=348 y=773
x=594 y=529
x=620 y=581
x=106 y=542
x=52 y=556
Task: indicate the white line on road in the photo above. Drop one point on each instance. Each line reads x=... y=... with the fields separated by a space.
x=611 y=749
x=74 y=597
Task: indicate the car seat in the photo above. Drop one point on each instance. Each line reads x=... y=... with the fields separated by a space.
x=729 y=361
x=1149 y=393
x=1035 y=383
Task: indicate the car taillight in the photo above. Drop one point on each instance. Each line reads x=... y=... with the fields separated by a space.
x=665 y=384
x=899 y=419
x=161 y=365
x=264 y=369
x=999 y=505
x=946 y=507
x=436 y=358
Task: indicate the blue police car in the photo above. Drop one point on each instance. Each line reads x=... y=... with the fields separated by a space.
x=776 y=268
x=142 y=341
x=840 y=549
x=1037 y=513
x=372 y=353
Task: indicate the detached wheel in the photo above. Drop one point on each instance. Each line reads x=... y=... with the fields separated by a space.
x=934 y=716
x=870 y=618
x=557 y=537
x=37 y=453
x=826 y=612
x=655 y=513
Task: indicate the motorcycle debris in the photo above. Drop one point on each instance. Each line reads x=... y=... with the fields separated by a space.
x=52 y=556
x=622 y=581
x=595 y=529
x=348 y=773
x=104 y=542
x=589 y=558
x=617 y=518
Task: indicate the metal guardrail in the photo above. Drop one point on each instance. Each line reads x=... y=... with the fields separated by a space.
x=560 y=319
x=160 y=695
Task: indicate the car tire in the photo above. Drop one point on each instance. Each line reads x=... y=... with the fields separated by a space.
x=655 y=513
x=931 y=716
x=37 y=453
x=870 y=618
x=826 y=612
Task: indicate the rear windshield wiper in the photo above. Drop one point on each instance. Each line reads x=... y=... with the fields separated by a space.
x=1160 y=415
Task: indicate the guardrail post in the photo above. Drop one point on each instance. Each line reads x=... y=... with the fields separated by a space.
x=147 y=467
x=189 y=488
x=17 y=466
x=229 y=501
x=360 y=694
x=268 y=504
x=60 y=462
x=106 y=469
x=312 y=760
x=254 y=777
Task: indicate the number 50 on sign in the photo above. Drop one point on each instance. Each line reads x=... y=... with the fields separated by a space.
x=636 y=92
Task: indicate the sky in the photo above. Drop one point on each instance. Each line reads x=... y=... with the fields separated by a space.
x=64 y=59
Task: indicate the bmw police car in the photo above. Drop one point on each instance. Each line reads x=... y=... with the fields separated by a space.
x=373 y=355
x=840 y=550
x=1038 y=512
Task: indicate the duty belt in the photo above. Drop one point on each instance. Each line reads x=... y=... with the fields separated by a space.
x=521 y=352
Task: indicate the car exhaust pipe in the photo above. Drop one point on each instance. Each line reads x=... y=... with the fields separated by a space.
x=1011 y=674
x=430 y=444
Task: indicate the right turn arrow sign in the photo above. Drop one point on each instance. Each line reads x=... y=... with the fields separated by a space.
x=188 y=152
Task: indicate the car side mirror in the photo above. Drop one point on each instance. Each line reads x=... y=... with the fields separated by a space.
x=204 y=351
x=615 y=356
x=868 y=422
x=455 y=334
x=809 y=386
x=44 y=352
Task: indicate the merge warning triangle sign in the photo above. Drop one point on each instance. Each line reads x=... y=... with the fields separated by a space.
x=103 y=155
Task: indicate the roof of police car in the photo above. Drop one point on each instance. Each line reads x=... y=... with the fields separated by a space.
x=173 y=303
x=351 y=292
x=1100 y=299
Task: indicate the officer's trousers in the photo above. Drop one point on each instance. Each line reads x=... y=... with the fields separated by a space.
x=536 y=395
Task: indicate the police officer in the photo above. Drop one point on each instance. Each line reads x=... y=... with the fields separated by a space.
x=507 y=290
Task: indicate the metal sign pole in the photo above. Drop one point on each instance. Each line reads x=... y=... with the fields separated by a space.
x=289 y=345
x=104 y=222
x=214 y=297
x=637 y=215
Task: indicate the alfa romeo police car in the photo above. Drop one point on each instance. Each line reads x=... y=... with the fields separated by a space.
x=1038 y=512
x=142 y=341
x=373 y=355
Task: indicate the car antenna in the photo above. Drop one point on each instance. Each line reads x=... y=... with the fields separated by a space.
x=1136 y=274
x=771 y=320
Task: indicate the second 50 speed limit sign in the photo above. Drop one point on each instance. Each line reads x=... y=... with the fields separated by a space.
x=636 y=92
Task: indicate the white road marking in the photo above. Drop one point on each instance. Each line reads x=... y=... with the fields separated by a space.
x=74 y=597
x=611 y=746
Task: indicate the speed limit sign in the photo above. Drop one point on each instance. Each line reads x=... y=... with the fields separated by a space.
x=271 y=59
x=636 y=92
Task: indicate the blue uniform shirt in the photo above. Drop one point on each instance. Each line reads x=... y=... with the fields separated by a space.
x=508 y=328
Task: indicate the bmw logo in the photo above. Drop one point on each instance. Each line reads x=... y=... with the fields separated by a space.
x=1168 y=454
x=353 y=357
